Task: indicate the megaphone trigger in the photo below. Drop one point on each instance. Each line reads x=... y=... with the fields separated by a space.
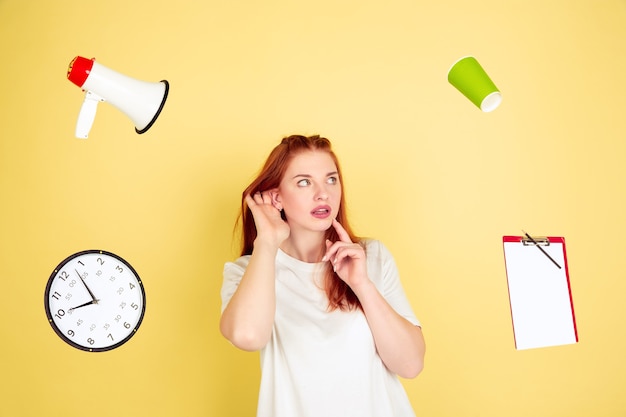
x=87 y=114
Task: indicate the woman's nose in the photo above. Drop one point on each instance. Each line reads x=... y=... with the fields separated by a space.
x=321 y=194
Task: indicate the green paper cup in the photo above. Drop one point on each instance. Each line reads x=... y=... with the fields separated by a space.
x=467 y=76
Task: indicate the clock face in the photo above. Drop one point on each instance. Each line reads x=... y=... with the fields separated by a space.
x=95 y=300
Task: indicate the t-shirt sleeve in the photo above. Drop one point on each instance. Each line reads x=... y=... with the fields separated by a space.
x=387 y=279
x=233 y=271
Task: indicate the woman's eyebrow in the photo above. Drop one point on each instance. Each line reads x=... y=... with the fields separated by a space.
x=302 y=175
x=330 y=174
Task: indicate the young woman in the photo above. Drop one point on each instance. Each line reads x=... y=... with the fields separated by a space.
x=325 y=308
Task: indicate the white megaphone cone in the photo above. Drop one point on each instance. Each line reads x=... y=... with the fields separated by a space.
x=141 y=101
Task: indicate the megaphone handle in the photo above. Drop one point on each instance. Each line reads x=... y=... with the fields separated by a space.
x=87 y=114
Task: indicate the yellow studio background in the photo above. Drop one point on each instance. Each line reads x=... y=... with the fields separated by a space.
x=429 y=174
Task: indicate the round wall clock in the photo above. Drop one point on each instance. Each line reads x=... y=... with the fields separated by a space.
x=95 y=300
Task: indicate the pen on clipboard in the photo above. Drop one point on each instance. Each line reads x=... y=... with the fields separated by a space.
x=541 y=249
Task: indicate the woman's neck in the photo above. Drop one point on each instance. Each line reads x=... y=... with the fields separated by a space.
x=306 y=248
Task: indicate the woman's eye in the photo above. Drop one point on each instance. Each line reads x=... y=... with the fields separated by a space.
x=303 y=182
x=332 y=180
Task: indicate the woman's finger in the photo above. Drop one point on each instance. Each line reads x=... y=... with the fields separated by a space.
x=353 y=251
x=341 y=232
x=331 y=248
x=336 y=252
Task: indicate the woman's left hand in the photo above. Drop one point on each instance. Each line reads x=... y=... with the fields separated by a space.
x=399 y=343
x=347 y=258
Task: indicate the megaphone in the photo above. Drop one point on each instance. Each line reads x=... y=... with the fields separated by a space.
x=141 y=101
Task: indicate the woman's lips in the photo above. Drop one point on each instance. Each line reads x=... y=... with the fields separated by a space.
x=321 y=212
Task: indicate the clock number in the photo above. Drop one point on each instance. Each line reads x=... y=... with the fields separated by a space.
x=131 y=285
x=91 y=341
x=63 y=275
x=56 y=295
x=59 y=314
x=134 y=306
x=127 y=325
x=70 y=333
x=119 y=268
x=101 y=261
x=120 y=290
x=110 y=336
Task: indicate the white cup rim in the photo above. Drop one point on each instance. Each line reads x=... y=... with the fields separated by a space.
x=491 y=102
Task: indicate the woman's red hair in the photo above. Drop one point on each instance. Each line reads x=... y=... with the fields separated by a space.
x=340 y=295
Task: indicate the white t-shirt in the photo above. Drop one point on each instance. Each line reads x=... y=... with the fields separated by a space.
x=320 y=363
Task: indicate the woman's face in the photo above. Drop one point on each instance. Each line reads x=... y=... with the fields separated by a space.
x=310 y=192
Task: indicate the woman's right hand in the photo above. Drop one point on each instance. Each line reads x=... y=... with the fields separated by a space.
x=270 y=226
x=248 y=319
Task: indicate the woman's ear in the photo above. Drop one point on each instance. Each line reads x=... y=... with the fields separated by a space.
x=276 y=200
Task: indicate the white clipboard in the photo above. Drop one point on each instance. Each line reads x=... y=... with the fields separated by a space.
x=542 y=309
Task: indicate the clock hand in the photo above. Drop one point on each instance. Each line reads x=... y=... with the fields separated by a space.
x=93 y=298
x=85 y=304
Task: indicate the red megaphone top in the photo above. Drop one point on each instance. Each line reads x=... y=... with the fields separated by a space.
x=79 y=69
